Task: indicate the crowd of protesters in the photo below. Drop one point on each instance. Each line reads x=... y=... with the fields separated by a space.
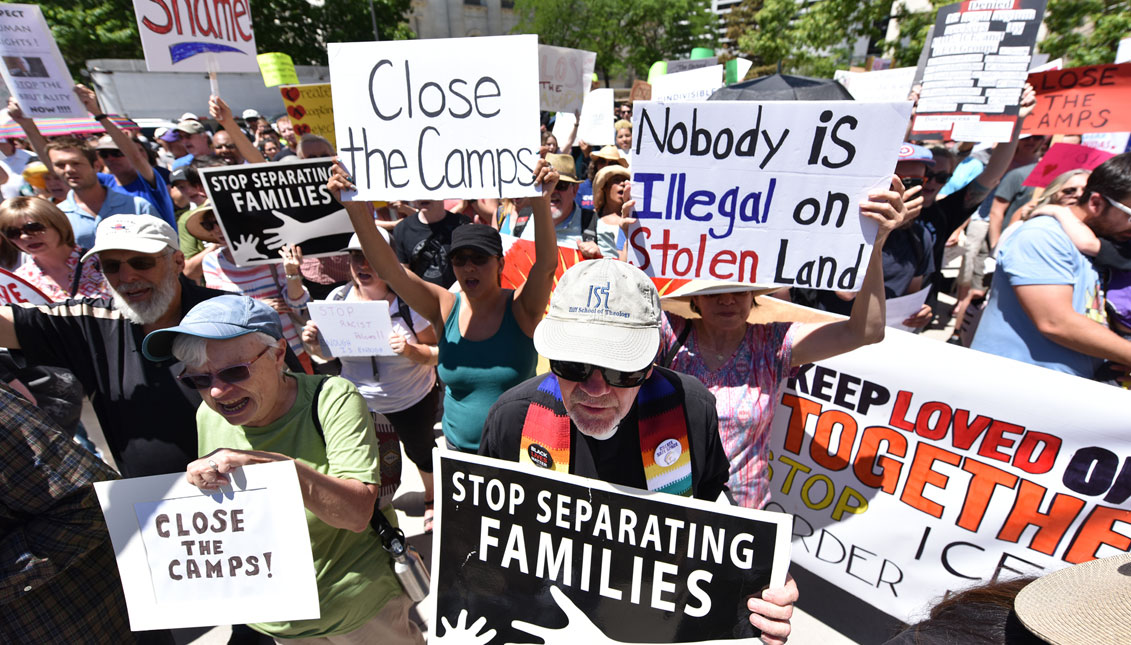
x=188 y=356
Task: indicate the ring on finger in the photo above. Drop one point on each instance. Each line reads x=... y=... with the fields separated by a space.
x=213 y=466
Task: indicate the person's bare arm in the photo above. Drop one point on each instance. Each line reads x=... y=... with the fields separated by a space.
x=1001 y=157
x=997 y=218
x=1083 y=238
x=565 y=147
x=532 y=296
x=8 y=337
x=220 y=111
x=34 y=136
x=1049 y=306
x=125 y=144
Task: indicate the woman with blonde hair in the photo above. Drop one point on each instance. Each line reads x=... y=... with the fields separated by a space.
x=624 y=138
x=39 y=229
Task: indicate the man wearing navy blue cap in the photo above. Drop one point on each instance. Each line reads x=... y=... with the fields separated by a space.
x=255 y=411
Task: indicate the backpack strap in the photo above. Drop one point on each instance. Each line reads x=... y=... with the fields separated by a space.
x=404 y=313
x=74 y=292
x=589 y=225
x=680 y=341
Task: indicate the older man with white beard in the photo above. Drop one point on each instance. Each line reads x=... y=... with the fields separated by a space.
x=147 y=416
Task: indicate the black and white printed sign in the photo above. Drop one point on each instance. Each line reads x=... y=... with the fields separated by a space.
x=536 y=555
x=261 y=207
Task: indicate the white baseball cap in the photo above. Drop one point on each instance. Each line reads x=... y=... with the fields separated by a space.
x=251 y=113
x=605 y=313
x=140 y=233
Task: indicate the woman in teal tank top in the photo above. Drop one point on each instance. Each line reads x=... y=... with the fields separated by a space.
x=487 y=346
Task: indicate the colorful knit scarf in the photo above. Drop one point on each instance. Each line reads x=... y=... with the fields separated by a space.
x=663 y=434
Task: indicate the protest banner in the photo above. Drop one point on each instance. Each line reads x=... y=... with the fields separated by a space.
x=595 y=126
x=1123 y=52
x=33 y=69
x=694 y=85
x=972 y=79
x=763 y=192
x=191 y=559
x=1113 y=142
x=310 y=109
x=354 y=328
x=641 y=91
x=563 y=77
x=1061 y=158
x=14 y=290
x=277 y=69
x=907 y=484
x=261 y=207
x=517 y=547
x=677 y=66
x=421 y=119
x=1081 y=99
x=887 y=85
x=205 y=36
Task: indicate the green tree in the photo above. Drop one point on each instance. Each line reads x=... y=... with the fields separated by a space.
x=627 y=35
x=1085 y=32
x=93 y=29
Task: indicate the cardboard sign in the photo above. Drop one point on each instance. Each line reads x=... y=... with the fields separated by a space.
x=695 y=85
x=569 y=559
x=1081 y=99
x=677 y=66
x=761 y=192
x=277 y=69
x=641 y=91
x=973 y=77
x=189 y=559
x=909 y=484
x=563 y=77
x=261 y=207
x=596 y=122
x=1061 y=158
x=14 y=290
x=206 y=35
x=887 y=85
x=311 y=109
x=422 y=119
x=354 y=328
x=33 y=68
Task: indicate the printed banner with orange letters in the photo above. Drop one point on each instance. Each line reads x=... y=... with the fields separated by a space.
x=916 y=468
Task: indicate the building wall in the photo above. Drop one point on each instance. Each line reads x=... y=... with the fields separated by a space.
x=460 y=18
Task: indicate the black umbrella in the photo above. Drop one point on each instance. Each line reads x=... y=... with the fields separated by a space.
x=782 y=87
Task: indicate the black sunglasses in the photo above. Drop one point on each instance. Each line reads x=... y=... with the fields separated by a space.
x=108 y=154
x=938 y=177
x=911 y=182
x=579 y=372
x=563 y=186
x=208 y=223
x=478 y=259
x=29 y=229
x=231 y=374
x=137 y=263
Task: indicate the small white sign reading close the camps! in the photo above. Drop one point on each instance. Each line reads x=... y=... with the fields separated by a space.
x=563 y=77
x=211 y=36
x=422 y=119
x=33 y=68
x=763 y=192
x=354 y=328
x=189 y=559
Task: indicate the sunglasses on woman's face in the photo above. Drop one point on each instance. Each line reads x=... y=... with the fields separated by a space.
x=478 y=259
x=110 y=154
x=29 y=229
x=208 y=223
x=579 y=372
x=230 y=375
x=137 y=263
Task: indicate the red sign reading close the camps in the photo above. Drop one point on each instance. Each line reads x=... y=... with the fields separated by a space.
x=1081 y=99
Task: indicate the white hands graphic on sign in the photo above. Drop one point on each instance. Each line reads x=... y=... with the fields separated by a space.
x=462 y=634
x=245 y=249
x=295 y=232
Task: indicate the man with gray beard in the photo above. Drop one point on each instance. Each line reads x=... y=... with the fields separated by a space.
x=147 y=416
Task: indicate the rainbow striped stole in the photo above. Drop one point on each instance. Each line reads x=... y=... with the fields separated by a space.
x=664 y=448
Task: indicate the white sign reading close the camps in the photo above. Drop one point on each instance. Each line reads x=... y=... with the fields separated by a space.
x=354 y=328
x=595 y=126
x=764 y=192
x=190 y=559
x=909 y=484
x=564 y=77
x=420 y=119
x=693 y=85
x=33 y=69
x=202 y=36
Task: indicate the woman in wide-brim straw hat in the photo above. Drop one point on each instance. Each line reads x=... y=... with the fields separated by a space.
x=707 y=334
x=610 y=191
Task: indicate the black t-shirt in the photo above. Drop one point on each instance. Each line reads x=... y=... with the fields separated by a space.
x=424 y=247
x=147 y=416
x=943 y=218
x=617 y=460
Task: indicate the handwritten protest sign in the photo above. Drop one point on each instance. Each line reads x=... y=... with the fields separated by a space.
x=277 y=69
x=354 y=328
x=311 y=109
x=641 y=91
x=563 y=77
x=1061 y=158
x=679 y=66
x=421 y=118
x=189 y=559
x=261 y=207
x=763 y=192
x=623 y=565
x=910 y=484
x=694 y=85
x=1081 y=99
x=33 y=68
x=595 y=126
x=1113 y=142
x=14 y=290
x=883 y=85
x=974 y=74
x=208 y=35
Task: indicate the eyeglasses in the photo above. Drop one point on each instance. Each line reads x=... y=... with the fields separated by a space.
x=29 y=229
x=137 y=263
x=579 y=372
x=938 y=177
x=230 y=375
x=1075 y=190
x=911 y=182
x=208 y=223
x=1126 y=210
x=563 y=186
x=110 y=154
x=478 y=259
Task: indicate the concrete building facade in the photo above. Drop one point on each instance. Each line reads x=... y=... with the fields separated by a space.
x=460 y=18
